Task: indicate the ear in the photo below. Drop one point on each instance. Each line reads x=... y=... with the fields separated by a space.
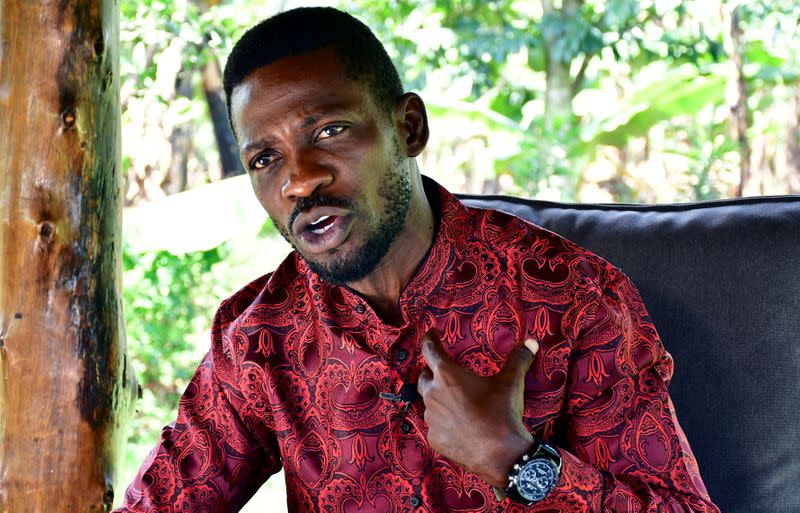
x=411 y=122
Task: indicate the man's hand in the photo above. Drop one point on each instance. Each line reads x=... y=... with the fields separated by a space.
x=476 y=421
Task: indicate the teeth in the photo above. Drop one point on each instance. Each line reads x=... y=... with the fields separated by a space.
x=322 y=230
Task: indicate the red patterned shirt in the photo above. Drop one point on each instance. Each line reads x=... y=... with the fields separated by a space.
x=296 y=367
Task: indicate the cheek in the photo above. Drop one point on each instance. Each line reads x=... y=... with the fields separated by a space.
x=268 y=194
x=264 y=187
x=366 y=151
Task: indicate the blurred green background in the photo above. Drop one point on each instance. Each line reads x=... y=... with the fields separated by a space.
x=578 y=100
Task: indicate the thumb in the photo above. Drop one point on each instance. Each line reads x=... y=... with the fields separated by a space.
x=435 y=355
x=521 y=357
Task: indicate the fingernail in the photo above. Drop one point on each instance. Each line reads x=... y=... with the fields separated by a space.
x=532 y=345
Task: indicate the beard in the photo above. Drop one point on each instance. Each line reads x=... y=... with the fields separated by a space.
x=383 y=228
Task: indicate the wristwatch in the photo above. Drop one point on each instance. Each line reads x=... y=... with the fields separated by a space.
x=535 y=474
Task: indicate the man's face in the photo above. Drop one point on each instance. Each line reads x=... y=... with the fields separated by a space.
x=324 y=162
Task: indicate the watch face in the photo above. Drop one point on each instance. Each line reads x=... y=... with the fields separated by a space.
x=536 y=479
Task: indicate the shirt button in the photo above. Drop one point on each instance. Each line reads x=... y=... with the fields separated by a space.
x=414 y=501
x=401 y=355
x=405 y=427
x=360 y=308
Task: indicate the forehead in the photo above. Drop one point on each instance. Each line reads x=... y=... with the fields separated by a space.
x=295 y=87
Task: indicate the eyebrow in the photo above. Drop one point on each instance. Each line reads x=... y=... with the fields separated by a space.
x=307 y=122
x=310 y=120
x=257 y=145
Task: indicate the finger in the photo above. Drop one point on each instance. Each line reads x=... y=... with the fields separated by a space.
x=435 y=354
x=424 y=382
x=521 y=357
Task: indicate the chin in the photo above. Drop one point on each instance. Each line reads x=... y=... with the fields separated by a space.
x=342 y=269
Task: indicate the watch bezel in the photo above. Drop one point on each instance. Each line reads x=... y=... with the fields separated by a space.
x=539 y=452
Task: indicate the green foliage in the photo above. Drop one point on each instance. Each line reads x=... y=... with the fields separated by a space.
x=169 y=302
x=708 y=146
x=150 y=26
x=562 y=88
x=680 y=92
x=550 y=149
x=479 y=42
x=570 y=34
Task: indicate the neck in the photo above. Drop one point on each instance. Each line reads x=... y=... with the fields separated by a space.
x=382 y=288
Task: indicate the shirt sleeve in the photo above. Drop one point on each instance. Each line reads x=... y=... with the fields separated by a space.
x=623 y=449
x=208 y=460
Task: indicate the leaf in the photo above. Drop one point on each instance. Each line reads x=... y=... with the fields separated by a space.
x=770 y=75
x=537 y=57
x=473 y=111
x=680 y=92
x=756 y=52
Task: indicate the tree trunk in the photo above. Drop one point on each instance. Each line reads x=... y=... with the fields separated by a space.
x=67 y=388
x=177 y=176
x=560 y=87
x=215 y=99
x=212 y=87
x=793 y=144
x=737 y=91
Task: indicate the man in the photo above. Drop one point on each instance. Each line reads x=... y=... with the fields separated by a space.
x=412 y=354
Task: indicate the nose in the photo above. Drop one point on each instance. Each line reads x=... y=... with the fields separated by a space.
x=306 y=175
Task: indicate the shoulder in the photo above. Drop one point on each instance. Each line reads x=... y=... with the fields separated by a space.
x=542 y=259
x=244 y=319
x=503 y=231
x=233 y=306
x=263 y=301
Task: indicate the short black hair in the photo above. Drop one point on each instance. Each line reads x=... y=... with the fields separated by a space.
x=306 y=29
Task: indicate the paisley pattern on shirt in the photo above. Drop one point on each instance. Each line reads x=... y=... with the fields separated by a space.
x=297 y=366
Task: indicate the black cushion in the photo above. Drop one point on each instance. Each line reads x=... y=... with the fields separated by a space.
x=721 y=281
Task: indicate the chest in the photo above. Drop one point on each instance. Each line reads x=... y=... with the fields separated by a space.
x=318 y=377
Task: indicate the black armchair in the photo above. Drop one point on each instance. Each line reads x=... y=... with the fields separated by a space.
x=721 y=281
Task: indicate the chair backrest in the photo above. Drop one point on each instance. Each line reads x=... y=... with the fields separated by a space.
x=721 y=281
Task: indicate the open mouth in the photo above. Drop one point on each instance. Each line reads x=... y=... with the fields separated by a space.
x=321 y=225
x=322 y=229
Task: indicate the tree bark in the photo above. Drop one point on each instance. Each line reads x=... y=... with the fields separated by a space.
x=737 y=92
x=215 y=97
x=560 y=87
x=176 y=178
x=793 y=144
x=67 y=388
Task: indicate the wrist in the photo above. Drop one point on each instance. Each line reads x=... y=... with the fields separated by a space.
x=511 y=447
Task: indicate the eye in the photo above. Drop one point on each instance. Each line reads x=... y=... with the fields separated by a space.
x=330 y=131
x=263 y=160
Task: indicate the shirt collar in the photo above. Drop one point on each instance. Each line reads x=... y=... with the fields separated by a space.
x=349 y=309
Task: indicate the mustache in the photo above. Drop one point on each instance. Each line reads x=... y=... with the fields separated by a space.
x=319 y=200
